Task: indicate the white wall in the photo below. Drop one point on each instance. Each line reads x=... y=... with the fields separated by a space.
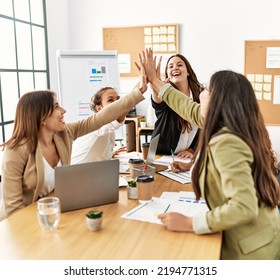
x=212 y=33
x=58 y=34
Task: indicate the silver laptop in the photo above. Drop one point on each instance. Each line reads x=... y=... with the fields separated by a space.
x=152 y=150
x=87 y=184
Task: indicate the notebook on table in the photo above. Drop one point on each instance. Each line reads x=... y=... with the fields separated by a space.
x=87 y=184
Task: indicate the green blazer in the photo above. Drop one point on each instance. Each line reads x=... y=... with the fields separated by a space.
x=23 y=173
x=226 y=183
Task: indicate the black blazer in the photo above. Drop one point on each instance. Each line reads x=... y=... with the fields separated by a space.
x=167 y=126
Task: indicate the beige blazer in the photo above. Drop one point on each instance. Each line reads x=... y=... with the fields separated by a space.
x=23 y=173
x=226 y=183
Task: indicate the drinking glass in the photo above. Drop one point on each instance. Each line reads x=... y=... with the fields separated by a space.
x=48 y=212
x=144 y=170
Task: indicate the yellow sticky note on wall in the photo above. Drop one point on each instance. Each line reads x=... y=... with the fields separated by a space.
x=267 y=96
x=267 y=87
x=267 y=78
x=258 y=87
x=258 y=95
x=251 y=77
x=259 y=78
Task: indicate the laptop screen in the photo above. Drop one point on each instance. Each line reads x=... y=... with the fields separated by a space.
x=152 y=149
x=87 y=184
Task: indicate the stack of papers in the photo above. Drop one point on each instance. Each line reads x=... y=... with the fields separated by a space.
x=181 y=177
x=180 y=202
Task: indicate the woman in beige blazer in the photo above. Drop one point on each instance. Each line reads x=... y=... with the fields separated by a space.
x=41 y=140
x=234 y=166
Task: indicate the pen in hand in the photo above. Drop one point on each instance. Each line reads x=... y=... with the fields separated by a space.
x=169 y=169
x=172 y=154
x=166 y=208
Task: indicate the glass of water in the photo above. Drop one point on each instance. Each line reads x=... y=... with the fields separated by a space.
x=48 y=212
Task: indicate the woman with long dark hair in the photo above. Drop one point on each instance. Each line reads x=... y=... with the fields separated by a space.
x=176 y=133
x=234 y=166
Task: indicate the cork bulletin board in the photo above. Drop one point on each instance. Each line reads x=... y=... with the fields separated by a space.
x=262 y=68
x=130 y=41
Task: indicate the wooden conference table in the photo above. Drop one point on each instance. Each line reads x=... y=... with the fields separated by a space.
x=119 y=239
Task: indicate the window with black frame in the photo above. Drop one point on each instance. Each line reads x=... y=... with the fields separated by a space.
x=23 y=55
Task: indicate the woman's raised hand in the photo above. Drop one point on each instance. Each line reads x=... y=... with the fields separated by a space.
x=142 y=83
x=158 y=64
x=149 y=64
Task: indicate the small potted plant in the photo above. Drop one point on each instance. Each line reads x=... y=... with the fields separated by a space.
x=94 y=220
x=143 y=122
x=132 y=191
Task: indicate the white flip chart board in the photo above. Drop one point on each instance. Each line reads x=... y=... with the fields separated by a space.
x=80 y=75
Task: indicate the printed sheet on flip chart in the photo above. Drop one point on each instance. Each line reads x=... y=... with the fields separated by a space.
x=180 y=202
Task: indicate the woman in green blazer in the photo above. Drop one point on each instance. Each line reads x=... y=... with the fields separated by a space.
x=233 y=168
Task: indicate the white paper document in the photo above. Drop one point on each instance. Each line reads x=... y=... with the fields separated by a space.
x=181 y=177
x=167 y=160
x=122 y=182
x=180 y=202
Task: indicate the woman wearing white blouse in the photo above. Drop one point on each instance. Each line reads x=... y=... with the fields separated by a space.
x=99 y=145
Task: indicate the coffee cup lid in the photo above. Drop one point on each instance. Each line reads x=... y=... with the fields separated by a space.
x=145 y=144
x=144 y=178
x=135 y=160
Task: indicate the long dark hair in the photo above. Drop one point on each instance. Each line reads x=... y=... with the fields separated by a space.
x=233 y=104
x=32 y=108
x=194 y=85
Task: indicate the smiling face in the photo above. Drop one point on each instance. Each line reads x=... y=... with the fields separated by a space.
x=102 y=98
x=177 y=71
x=109 y=96
x=55 y=122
